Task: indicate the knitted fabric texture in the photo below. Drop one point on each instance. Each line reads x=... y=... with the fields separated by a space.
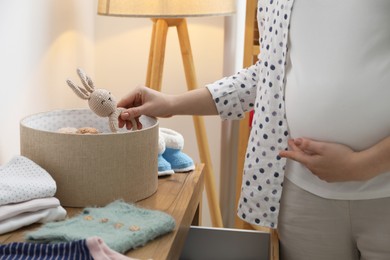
x=122 y=226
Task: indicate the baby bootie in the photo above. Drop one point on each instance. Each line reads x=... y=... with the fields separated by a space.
x=174 y=143
x=164 y=167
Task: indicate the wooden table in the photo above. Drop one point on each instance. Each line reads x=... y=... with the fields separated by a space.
x=178 y=195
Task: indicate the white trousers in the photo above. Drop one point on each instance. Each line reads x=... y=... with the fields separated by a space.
x=311 y=227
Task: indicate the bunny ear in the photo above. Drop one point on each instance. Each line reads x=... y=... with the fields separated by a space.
x=87 y=82
x=82 y=93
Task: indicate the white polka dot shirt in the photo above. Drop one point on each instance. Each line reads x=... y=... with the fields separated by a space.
x=261 y=88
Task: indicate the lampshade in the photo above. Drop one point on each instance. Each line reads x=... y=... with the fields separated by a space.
x=166 y=8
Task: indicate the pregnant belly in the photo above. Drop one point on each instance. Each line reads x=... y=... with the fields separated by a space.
x=358 y=120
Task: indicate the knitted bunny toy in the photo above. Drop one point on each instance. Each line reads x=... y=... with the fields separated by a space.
x=100 y=101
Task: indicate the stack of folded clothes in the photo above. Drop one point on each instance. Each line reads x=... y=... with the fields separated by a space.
x=27 y=195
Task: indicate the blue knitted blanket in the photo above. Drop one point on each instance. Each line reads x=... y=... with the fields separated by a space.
x=121 y=225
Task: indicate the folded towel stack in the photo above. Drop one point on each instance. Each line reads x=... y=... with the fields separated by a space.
x=27 y=195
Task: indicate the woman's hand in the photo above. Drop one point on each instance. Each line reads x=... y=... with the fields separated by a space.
x=331 y=162
x=143 y=101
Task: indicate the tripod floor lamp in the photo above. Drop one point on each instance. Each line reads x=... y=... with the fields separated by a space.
x=173 y=13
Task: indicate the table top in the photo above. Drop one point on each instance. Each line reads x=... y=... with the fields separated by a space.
x=178 y=195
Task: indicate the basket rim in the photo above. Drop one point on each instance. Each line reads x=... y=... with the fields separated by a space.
x=22 y=123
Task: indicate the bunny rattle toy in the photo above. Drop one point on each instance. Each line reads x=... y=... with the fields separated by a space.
x=100 y=101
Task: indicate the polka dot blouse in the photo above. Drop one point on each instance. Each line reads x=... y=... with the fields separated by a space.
x=261 y=88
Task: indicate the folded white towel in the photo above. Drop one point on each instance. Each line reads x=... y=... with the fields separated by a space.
x=22 y=179
x=14 y=209
x=25 y=219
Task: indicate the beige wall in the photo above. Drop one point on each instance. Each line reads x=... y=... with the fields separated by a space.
x=41 y=43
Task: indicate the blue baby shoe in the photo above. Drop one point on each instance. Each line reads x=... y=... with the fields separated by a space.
x=164 y=167
x=173 y=154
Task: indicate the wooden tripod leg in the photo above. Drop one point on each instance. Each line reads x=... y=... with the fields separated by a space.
x=157 y=54
x=151 y=54
x=203 y=147
x=154 y=80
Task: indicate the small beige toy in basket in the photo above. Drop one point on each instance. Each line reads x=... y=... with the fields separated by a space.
x=100 y=101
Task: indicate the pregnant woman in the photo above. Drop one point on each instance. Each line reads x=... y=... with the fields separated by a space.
x=318 y=158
